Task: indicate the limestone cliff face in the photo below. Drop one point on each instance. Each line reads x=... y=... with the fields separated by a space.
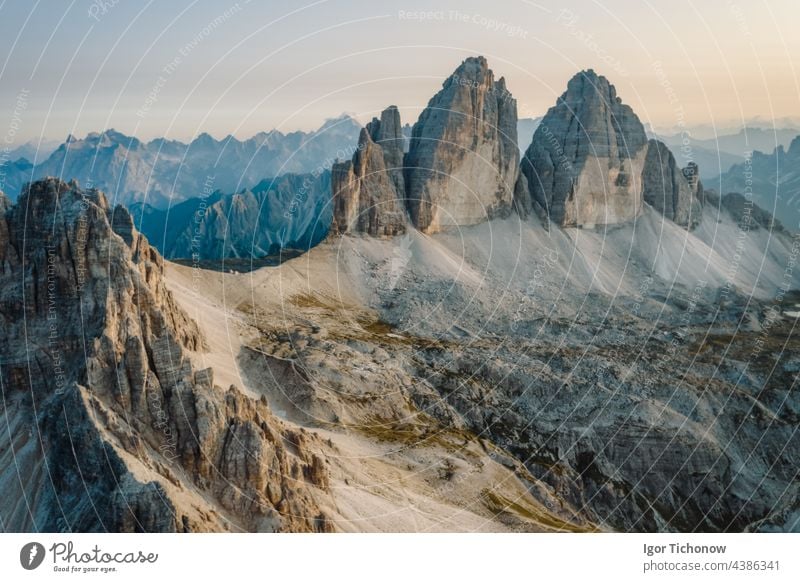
x=584 y=164
x=387 y=132
x=112 y=427
x=668 y=189
x=462 y=163
x=368 y=191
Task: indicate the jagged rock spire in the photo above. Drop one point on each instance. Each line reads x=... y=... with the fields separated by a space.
x=97 y=357
x=368 y=190
x=674 y=192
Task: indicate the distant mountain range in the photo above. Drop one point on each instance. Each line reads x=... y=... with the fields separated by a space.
x=716 y=155
x=775 y=182
x=216 y=199
x=163 y=172
x=291 y=211
x=33 y=150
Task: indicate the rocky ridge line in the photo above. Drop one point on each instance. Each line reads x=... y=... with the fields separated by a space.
x=128 y=434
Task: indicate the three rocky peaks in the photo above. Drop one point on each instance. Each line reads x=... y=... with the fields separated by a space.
x=589 y=163
x=113 y=424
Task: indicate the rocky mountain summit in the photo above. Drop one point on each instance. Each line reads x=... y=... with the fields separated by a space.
x=590 y=163
x=369 y=191
x=108 y=423
x=587 y=154
x=460 y=168
x=463 y=158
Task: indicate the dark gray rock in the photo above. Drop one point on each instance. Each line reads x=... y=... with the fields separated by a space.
x=667 y=188
x=387 y=132
x=692 y=174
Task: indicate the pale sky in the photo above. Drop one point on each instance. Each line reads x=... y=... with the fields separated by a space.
x=182 y=67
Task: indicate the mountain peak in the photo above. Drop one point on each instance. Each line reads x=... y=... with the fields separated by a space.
x=473 y=71
x=462 y=162
x=588 y=85
x=368 y=190
x=115 y=135
x=474 y=65
x=794 y=147
x=590 y=162
x=341 y=121
x=204 y=138
x=590 y=75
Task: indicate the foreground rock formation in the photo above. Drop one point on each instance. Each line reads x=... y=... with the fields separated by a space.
x=463 y=159
x=107 y=425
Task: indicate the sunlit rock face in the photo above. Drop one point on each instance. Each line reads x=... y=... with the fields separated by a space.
x=462 y=163
x=368 y=190
x=585 y=162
